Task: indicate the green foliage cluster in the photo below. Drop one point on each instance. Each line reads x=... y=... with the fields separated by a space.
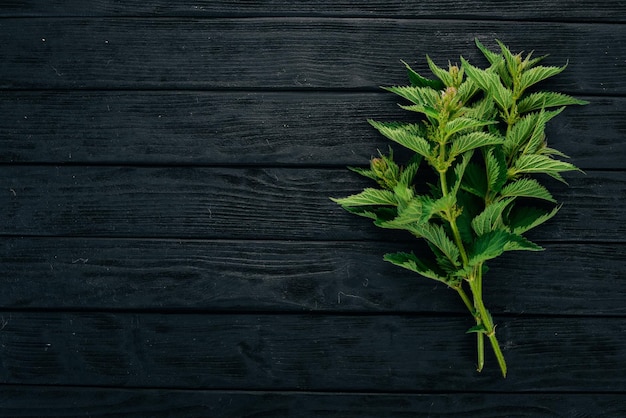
x=482 y=132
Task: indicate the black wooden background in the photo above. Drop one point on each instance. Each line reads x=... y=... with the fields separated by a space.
x=168 y=247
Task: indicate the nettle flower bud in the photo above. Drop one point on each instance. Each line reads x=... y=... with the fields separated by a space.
x=455 y=73
x=449 y=100
x=448 y=94
x=386 y=171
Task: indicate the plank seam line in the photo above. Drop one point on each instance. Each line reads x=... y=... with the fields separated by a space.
x=286 y=17
x=312 y=392
x=196 y=239
x=242 y=166
x=191 y=240
x=248 y=89
x=297 y=313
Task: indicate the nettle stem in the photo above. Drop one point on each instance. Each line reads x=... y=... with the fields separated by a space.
x=482 y=315
x=477 y=308
x=452 y=220
x=480 y=344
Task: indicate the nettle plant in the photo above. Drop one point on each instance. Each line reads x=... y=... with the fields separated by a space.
x=482 y=133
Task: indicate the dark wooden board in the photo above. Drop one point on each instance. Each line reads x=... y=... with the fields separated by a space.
x=287 y=52
x=17 y=401
x=169 y=249
x=308 y=352
x=248 y=203
x=584 y=279
x=556 y=10
x=131 y=127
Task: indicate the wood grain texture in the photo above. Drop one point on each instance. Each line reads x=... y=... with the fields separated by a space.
x=277 y=276
x=251 y=203
x=556 y=10
x=286 y=53
x=16 y=401
x=307 y=352
x=270 y=128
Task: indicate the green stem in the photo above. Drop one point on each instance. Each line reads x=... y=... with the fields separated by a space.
x=485 y=318
x=444 y=182
x=478 y=309
x=455 y=229
x=459 y=242
x=479 y=335
x=480 y=344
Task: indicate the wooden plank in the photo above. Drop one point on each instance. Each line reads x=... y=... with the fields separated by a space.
x=269 y=53
x=308 y=352
x=130 y=127
x=250 y=203
x=275 y=276
x=557 y=10
x=17 y=401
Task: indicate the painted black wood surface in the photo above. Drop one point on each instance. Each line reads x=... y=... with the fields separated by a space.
x=167 y=243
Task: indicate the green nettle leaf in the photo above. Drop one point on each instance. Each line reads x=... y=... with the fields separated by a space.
x=483 y=138
x=487 y=246
x=524 y=219
x=542 y=164
x=482 y=78
x=469 y=204
x=491 y=56
x=404 y=137
x=418 y=81
x=526 y=187
x=403 y=194
x=416 y=95
x=440 y=206
x=537 y=137
x=540 y=100
x=528 y=134
x=431 y=113
x=410 y=171
x=459 y=171
x=492 y=244
x=368 y=197
x=436 y=235
x=418 y=211
x=537 y=74
x=472 y=141
x=498 y=63
x=519 y=243
x=467 y=90
x=440 y=73
x=490 y=218
x=484 y=109
x=464 y=124
x=411 y=262
x=496 y=169
x=415 y=212
x=377 y=213
x=513 y=62
x=519 y=134
x=475 y=180
x=480 y=328
x=491 y=83
x=501 y=95
x=364 y=172
x=551 y=151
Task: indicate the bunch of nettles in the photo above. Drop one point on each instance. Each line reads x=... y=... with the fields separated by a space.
x=482 y=132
